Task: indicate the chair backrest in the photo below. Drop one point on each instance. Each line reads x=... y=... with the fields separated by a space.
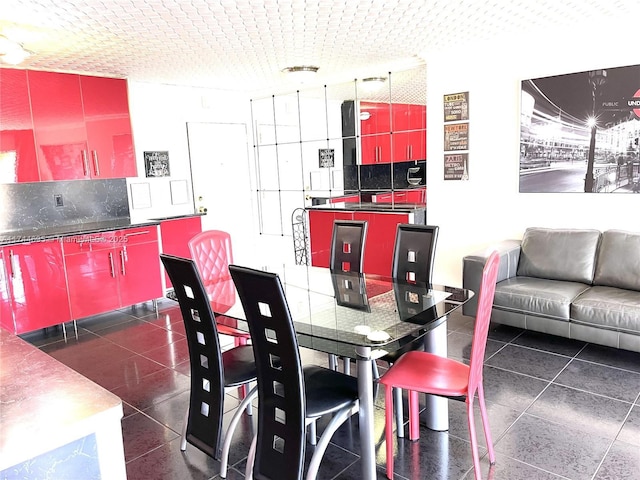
x=347 y=245
x=212 y=253
x=204 y=422
x=414 y=253
x=280 y=441
x=483 y=315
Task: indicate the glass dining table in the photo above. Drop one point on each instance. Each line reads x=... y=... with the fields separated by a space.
x=362 y=317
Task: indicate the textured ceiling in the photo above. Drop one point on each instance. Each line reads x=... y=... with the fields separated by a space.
x=245 y=44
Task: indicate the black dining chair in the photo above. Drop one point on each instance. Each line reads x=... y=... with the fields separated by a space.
x=212 y=371
x=412 y=264
x=290 y=396
x=347 y=255
x=347 y=245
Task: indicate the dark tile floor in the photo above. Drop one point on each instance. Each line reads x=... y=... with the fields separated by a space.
x=559 y=409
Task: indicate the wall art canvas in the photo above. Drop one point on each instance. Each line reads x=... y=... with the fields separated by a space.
x=579 y=132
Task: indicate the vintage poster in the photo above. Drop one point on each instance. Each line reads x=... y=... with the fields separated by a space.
x=456 y=107
x=579 y=132
x=456 y=137
x=456 y=166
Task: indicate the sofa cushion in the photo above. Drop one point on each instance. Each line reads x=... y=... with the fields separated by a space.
x=537 y=296
x=618 y=263
x=559 y=254
x=608 y=307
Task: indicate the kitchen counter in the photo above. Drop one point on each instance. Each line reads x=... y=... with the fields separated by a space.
x=370 y=207
x=38 y=234
x=55 y=420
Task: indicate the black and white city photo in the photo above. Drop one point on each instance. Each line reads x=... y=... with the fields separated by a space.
x=579 y=132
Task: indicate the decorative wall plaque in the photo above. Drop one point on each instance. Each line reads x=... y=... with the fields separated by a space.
x=156 y=164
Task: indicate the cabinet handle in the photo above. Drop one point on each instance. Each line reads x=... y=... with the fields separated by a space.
x=133 y=234
x=13 y=270
x=85 y=163
x=96 y=165
x=410 y=152
x=113 y=271
x=122 y=262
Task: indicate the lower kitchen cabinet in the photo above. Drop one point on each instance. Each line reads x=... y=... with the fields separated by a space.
x=33 y=286
x=379 y=243
x=175 y=235
x=112 y=270
x=320 y=231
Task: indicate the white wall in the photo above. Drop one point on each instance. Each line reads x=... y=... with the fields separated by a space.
x=159 y=116
x=488 y=207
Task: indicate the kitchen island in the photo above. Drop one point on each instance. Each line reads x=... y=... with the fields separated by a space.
x=55 y=422
x=382 y=220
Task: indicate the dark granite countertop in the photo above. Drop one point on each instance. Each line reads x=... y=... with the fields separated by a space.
x=41 y=233
x=371 y=207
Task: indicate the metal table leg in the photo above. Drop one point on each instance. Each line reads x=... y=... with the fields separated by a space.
x=437 y=411
x=365 y=393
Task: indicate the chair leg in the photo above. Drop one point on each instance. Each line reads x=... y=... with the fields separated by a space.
x=485 y=424
x=474 y=439
x=388 y=428
x=226 y=446
x=333 y=362
x=183 y=441
x=313 y=433
x=414 y=415
x=397 y=404
x=251 y=458
x=338 y=419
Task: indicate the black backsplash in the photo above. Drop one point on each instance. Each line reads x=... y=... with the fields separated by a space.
x=28 y=206
x=382 y=177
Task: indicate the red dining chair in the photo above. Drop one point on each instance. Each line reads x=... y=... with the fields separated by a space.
x=424 y=372
x=212 y=253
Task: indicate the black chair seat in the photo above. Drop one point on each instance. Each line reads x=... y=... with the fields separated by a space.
x=328 y=390
x=239 y=366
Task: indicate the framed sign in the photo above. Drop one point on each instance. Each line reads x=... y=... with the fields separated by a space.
x=456 y=107
x=456 y=136
x=456 y=166
x=156 y=164
x=326 y=157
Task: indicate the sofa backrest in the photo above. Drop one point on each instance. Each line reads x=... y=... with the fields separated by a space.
x=559 y=254
x=618 y=263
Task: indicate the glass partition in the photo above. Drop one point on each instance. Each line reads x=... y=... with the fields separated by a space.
x=364 y=139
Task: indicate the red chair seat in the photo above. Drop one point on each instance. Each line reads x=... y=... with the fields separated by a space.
x=428 y=373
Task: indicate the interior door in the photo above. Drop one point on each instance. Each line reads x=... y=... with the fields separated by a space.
x=222 y=185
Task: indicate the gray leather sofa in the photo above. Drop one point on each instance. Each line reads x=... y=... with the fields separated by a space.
x=582 y=284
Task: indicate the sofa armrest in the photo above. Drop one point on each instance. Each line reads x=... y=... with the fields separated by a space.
x=472 y=265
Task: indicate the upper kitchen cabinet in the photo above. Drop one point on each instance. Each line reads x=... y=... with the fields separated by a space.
x=58 y=118
x=82 y=126
x=18 y=161
x=108 y=124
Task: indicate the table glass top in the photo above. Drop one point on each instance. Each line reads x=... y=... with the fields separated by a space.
x=335 y=312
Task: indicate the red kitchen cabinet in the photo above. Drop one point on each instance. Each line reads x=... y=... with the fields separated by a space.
x=6 y=313
x=17 y=142
x=381 y=235
x=108 y=124
x=82 y=126
x=175 y=235
x=138 y=256
x=375 y=128
x=112 y=270
x=33 y=286
x=58 y=119
x=320 y=232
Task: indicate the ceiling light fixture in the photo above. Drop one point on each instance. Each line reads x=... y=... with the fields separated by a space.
x=12 y=52
x=301 y=74
x=371 y=84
